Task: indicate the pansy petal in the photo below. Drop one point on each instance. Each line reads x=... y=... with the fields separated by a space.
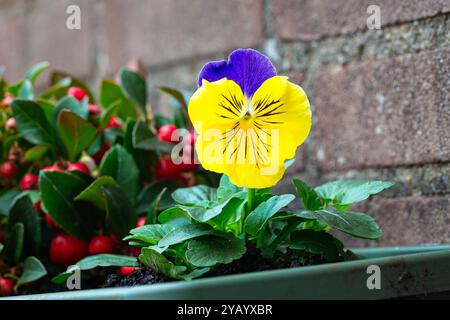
x=282 y=108
x=247 y=67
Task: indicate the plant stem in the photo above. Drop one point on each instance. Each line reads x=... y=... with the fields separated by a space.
x=250 y=199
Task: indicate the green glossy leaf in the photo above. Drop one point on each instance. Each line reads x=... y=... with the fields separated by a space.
x=317 y=242
x=58 y=192
x=151 y=233
x=75 y=132
x=202 y=214
x=134 y=87
x=153 y=208
x=33 y=270
x=110 y=93
x=353 y=223
x=35 y=71
x=71 y=104
x=197 y=195
x=258 y=218
x=310 y=199
x=6 y=200
x=94 y=194
x=32 y=122
x=23 y=211
x=231 y=213
x=187 y=232
x=207 y=252
x=100 y=260
x=120 y=165
x=26 y=90
x=176 y=94
x=14 y=247
x=48 y=108
x=58 y=89
x=346 y=192
x=155 y=260
x=151 y=192
x=144 y=139
x=226 y=189
x=110 y=112
x=120 y=215
x=57 y=76
x=196 y=273
x=35 y=153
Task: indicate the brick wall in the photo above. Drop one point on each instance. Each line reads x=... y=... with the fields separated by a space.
x=381 y=98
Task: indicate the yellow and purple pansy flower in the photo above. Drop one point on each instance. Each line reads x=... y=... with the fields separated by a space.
x=249 y=119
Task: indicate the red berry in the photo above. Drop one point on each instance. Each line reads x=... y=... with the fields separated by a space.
x=6 y=287
x=77 y=93
x=100 y=153
x=102 y=244
x=165 y=133
x=66 y=250
x=10 y=124
x=141 y=222
x=29 y=182
x=165 y=168
x=2 y=236
x=8 y=169
x=114 y=123
x=94 y=109
x=135 y=251
x=124 y=271
x=189 y=138
x=53 y=167
x=78 y=166
x=38 y=206
x=50 y=222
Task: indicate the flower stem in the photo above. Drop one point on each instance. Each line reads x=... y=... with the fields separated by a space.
x=250 y=199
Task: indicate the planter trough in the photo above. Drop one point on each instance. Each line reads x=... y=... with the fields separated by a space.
x=421 y=271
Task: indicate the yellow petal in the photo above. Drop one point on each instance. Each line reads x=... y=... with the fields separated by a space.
x=249 y=140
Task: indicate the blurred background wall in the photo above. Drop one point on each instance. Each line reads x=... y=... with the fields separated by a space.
x=381 y=98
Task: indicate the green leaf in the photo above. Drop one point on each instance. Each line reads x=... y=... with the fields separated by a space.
x=121 y=216
x=144 y=139
x=58 y=192
x=310 y=199
x=226 y=189
x=202 y=214
x=33 y=270
x=110 y=93
x=35 y=71
x=23 y=211
x=155 y=260
x=100 y=260
x=353 y=223
x=257 y=219
x=48 y=107
x=94 y=194
x=197 y=195
x=346 y=192
x=26 y=90
x=316 y=242
x=75 y=132
x=176 y=94
x=35 y=153
x=151 y=192
x=6 y=200
x=207 y=252
x=32 y=123
x=1 y=247
x=180 y=118
x=14 y=247
x=120 y=165
x=57 y=76
x=58 y=89
x=190 y=231
x=134 y=87
x=174 y=216
x=153 y=208
x=150 y=234
x=231 y=212
x=71 y=104
x=109 y=113
x=196 y=273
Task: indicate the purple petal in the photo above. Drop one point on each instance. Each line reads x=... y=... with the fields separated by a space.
x=247 y=67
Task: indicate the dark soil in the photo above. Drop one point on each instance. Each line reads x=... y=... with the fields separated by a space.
x=252 y=261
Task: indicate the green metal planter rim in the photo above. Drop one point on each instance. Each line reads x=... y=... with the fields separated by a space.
x=342 y=280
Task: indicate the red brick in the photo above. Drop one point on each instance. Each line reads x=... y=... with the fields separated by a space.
x=163 y=31
x=49 y=39
x=383 y=113
x=413 y=220
x=12 y=46
x=314 y=19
